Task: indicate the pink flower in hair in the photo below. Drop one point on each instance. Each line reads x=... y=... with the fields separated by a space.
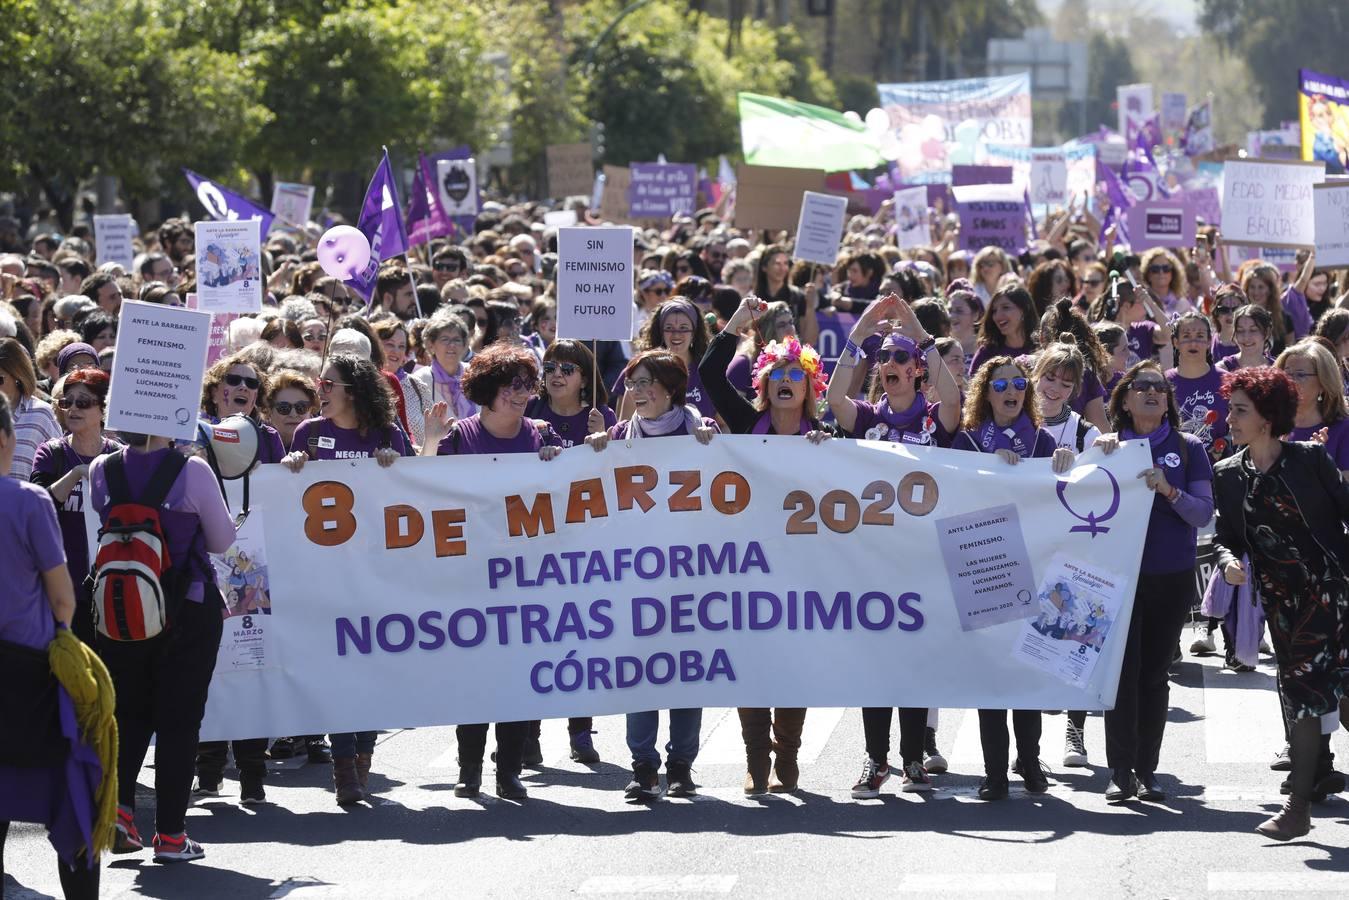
x=790 y=350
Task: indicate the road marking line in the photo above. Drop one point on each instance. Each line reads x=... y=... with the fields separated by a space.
x=976 y=883
x=1233 y=703
x=1280 y=882
x=658 y=884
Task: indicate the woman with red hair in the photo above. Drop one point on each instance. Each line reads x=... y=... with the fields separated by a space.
x=61 y=466
x=1284 y=504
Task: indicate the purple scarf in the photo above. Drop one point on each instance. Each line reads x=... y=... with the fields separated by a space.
x=905 y=420
x=1156 y=438
x=450 y=392
x=1019 y=437
x=765 y=425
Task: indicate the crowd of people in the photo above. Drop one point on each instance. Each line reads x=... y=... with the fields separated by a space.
x=1235 y=377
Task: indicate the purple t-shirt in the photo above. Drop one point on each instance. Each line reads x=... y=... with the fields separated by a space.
x=30 y=544
x=1203 y=409
x=54 y=459
x=1337 y=440
x=1091 y=390
x=321 y=439
x=877 y=422
x=694 y=393
x=740 y=373
x=1141 y=337
x=1221 y=350
x=1232 y=363
x=469 y=437
x=988 y=351
x=571 y=430
x=1295 y=305
x=1171 y=541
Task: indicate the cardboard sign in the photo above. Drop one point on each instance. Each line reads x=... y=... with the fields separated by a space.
x=571 y=170
x=1268 y=203
x=766 y=197
x=113 y=240
x=292 y=202
x=594 y=283
x=560 y=218
x=820 y=228
x=912 y=227
x=661 y=190
x=457 y=186
x=1173 y=111
x=992 y=215
x=614 y=199
x=1331 y=202
x=1160 y=223
x=158 y=368
x=229 y=266
x=1048 y=177
x=962 y=175
x=220 y=331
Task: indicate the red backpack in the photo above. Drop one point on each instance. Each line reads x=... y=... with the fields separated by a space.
x=132 y=576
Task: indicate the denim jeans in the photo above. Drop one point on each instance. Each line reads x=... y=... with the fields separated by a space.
x=683 y=745
x=348 y=744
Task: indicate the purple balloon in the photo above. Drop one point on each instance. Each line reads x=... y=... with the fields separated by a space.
x=343 y=252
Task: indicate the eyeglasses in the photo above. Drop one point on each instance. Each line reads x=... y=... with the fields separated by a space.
x=566 y=368
x=1001 y=384
x=84 y=401
x=898 y=357
x=1226 y=310
x=638 y=384
x=1150 y=386
x=522 y=384
x=450 y=342
x=299 y=408
x=1159 y=269
x=236 y=380
x=1093 y=281
x=326 y=385
x=449 y=267
x=796 y=375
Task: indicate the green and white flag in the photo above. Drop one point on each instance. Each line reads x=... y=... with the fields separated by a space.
x=777 y=132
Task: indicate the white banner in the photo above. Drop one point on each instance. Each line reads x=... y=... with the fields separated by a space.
x=1268 y=203
x=668 y=574
x=912 y=226
x=1332 y=223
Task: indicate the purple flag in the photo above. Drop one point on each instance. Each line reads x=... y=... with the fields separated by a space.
x=223 y=205
x=1120 y=200
x=382 y=224
x=426 y=218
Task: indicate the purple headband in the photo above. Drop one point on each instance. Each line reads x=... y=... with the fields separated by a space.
x=681 y=306
x=896 y=341
x=661 y=277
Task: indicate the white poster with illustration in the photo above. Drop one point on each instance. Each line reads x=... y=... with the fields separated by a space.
x=1078 y=605
x=241 y=575
x=229 y=267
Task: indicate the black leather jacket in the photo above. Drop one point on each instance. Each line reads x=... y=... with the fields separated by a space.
x=1313 y=479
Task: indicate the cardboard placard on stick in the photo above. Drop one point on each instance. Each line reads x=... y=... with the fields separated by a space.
x=1268 y=203
x=614 y=203
x=594 y=283
x=571 y=169
x=769 y=197
x=113 y=240
x=157 y=370
x=820 y=228
x=1332 y=224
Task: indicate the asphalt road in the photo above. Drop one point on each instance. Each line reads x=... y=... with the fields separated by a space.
x=576 y=835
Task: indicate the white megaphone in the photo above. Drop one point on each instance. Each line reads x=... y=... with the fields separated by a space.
x=232 y=447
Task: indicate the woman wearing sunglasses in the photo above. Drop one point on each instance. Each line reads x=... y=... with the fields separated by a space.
x=1093 y=285
x=679 y=328
x=655 y=382
x=788 y=379
x=1226 y=302
x=570 y=398
x=1165 y=278
x=356 y=419
x=233 y=386
x=290 y=399
x=1002 y=417
x=1143 y=406
x=1251 y=329
x=501 y=382
x=62 y=464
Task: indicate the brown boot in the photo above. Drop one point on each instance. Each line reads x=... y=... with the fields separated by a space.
x=363 y=772
x=757 y=765
x=346 y=783
x=1293 y=821
x=787 y=726
x=786 y=773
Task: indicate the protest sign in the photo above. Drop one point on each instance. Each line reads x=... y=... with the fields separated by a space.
x=1135 y=107
x=229 y=266
x=768 y=197
x=1332 y=224
x=652 y=576
x=1077 y=609
x=1198 y=138
x=1173 y=111
x=1160 y=223
x=614 y=200
x=457 y=186
x=1048 y=177
x=939 y=124
x=292 y=202
x=113 y=240
x=661 y=190
x=992 y=215
x=220 y=330
x=157 y=370
x=571 y=169
x=1323 y=117
x=560 y=218
x=820 y=227
x=912 y=224
x=1268 y=203
x=594 y=283
x=1051 y=176
x=962 y=175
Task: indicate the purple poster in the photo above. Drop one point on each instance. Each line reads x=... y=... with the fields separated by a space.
x=992 y=215
x=963 y=175
x=1160 y=223
x=990 y=571
x=660 y=190
x=1206 y=203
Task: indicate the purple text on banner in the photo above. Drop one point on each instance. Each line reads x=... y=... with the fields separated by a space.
x=660 y=190
x=996 y=223
x=963 y=175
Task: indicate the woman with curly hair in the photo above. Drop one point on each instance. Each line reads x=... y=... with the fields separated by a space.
x=357 y=419
x=235 y=386
x=1143 y=406
x=678 y=327
x=1165 y=278
x=1050 y=281
x=501 y=382
x=1284 y=505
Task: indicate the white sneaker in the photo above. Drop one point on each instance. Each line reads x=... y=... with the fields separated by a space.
x=1204 y=645
x=1074 y=747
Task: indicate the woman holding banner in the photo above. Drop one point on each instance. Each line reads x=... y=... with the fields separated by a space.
x=1007 y=328
x=656 y=382
x=1284 y=504
x=788 y=379
x=1002 y=417
x=1143 y=406
x=357 y=419
x=446 y=337
x=501 y=382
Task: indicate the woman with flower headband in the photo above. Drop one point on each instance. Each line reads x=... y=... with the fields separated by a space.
x=897 y=412
x=788 y=379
